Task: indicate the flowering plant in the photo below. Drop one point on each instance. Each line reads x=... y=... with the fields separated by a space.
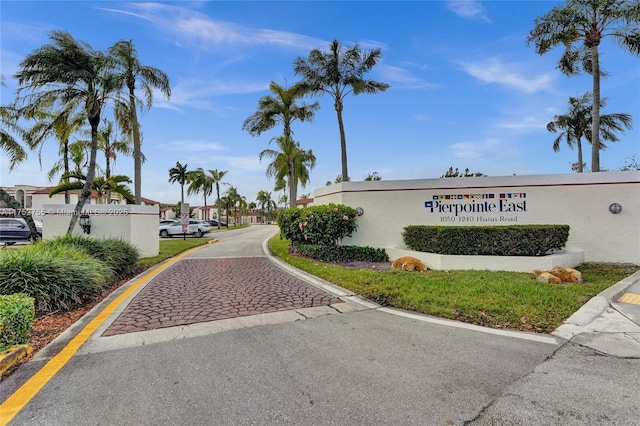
x=325 y=224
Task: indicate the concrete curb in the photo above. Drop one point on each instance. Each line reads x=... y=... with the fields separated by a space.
x=591 y=310
x=12 y=356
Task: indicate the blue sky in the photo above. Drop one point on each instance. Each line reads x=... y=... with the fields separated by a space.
x=466 y=90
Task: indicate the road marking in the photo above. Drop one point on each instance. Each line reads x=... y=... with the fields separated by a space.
x=630 y=298
x=16 y=402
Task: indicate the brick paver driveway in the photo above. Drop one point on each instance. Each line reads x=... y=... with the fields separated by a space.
x=200 y=290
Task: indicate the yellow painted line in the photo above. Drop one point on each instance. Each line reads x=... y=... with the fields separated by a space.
x=630 y=298
x=31 y=387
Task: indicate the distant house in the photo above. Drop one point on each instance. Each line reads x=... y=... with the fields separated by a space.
x=304 y=202
x=34 y=198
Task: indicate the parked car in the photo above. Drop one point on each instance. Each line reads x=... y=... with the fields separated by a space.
x=197 y=228
x=214 y=223
x=166 y=221
x=16 y=229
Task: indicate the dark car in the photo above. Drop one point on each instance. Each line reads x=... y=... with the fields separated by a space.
x=16 y=229
x=214 y=223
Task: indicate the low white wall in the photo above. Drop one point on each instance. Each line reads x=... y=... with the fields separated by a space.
x=580 y=200
x=135 y=224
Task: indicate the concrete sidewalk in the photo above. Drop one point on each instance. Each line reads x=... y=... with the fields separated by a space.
x=609 y=322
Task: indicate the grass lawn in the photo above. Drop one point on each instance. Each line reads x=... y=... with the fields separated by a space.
x=494 y=299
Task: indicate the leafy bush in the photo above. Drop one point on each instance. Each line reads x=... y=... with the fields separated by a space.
x=324 y=225
x=56 y=276
x=119 y=255
x=516 y=240
x=16 y=318
x=329 y=253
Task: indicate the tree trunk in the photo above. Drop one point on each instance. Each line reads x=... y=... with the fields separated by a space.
x=65 y=160
x=137 y=148
x=91 y=172
x=107 y=175
x=343 y=141
x=219 y=207
x=579 y=143
x=595 y=128
x=293 y=187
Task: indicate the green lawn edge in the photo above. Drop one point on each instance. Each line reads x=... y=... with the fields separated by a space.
x=496 y=299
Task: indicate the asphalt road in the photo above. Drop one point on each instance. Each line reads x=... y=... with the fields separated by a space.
x=358 y=367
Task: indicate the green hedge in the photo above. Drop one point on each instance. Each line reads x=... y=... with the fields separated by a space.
x=121 y=256
x=515 y=240
x=342 y=253
x=58 y=277
x=16 y=318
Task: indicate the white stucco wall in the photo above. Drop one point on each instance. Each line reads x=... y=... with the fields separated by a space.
x=132 y=223
x=580 y=200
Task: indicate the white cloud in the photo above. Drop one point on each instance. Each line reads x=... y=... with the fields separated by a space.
x=198 y=94
x=523 y=124
x=192 y=26
x=186 y=145
x=468 y=9
x=487 y=149
x=495 y=70
x=403 y=78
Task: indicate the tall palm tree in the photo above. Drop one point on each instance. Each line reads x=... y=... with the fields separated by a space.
x=588 y=22
x=338 y=72
x=111 y=147
x=216 y=177
x=291 y=163
x=179 y=174
x=199 y=181
x=279 y=109
x=130 y=73
x=72 y=74
x=578 y=122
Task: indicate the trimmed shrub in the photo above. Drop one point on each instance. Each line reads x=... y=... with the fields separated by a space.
x=17 y=313
x=119 y=255
x=57 y=277
x=329 y=253
x=324 y=225
x=514 y=240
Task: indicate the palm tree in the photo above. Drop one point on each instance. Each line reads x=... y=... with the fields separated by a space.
x=291 y=163
x=130 y=73
x=199 y=181
x=10 y=145
x=76 y=153
x=102 y=185
x=578 y=122
x=588 y=22
x=111 y=147
x=339 y=72
x=179 y=174
x=226 y=203
x=9 y=118
x=72 y=74
x=280 y=108
x=264 y=198
x=235 y=200
x=216 y=177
